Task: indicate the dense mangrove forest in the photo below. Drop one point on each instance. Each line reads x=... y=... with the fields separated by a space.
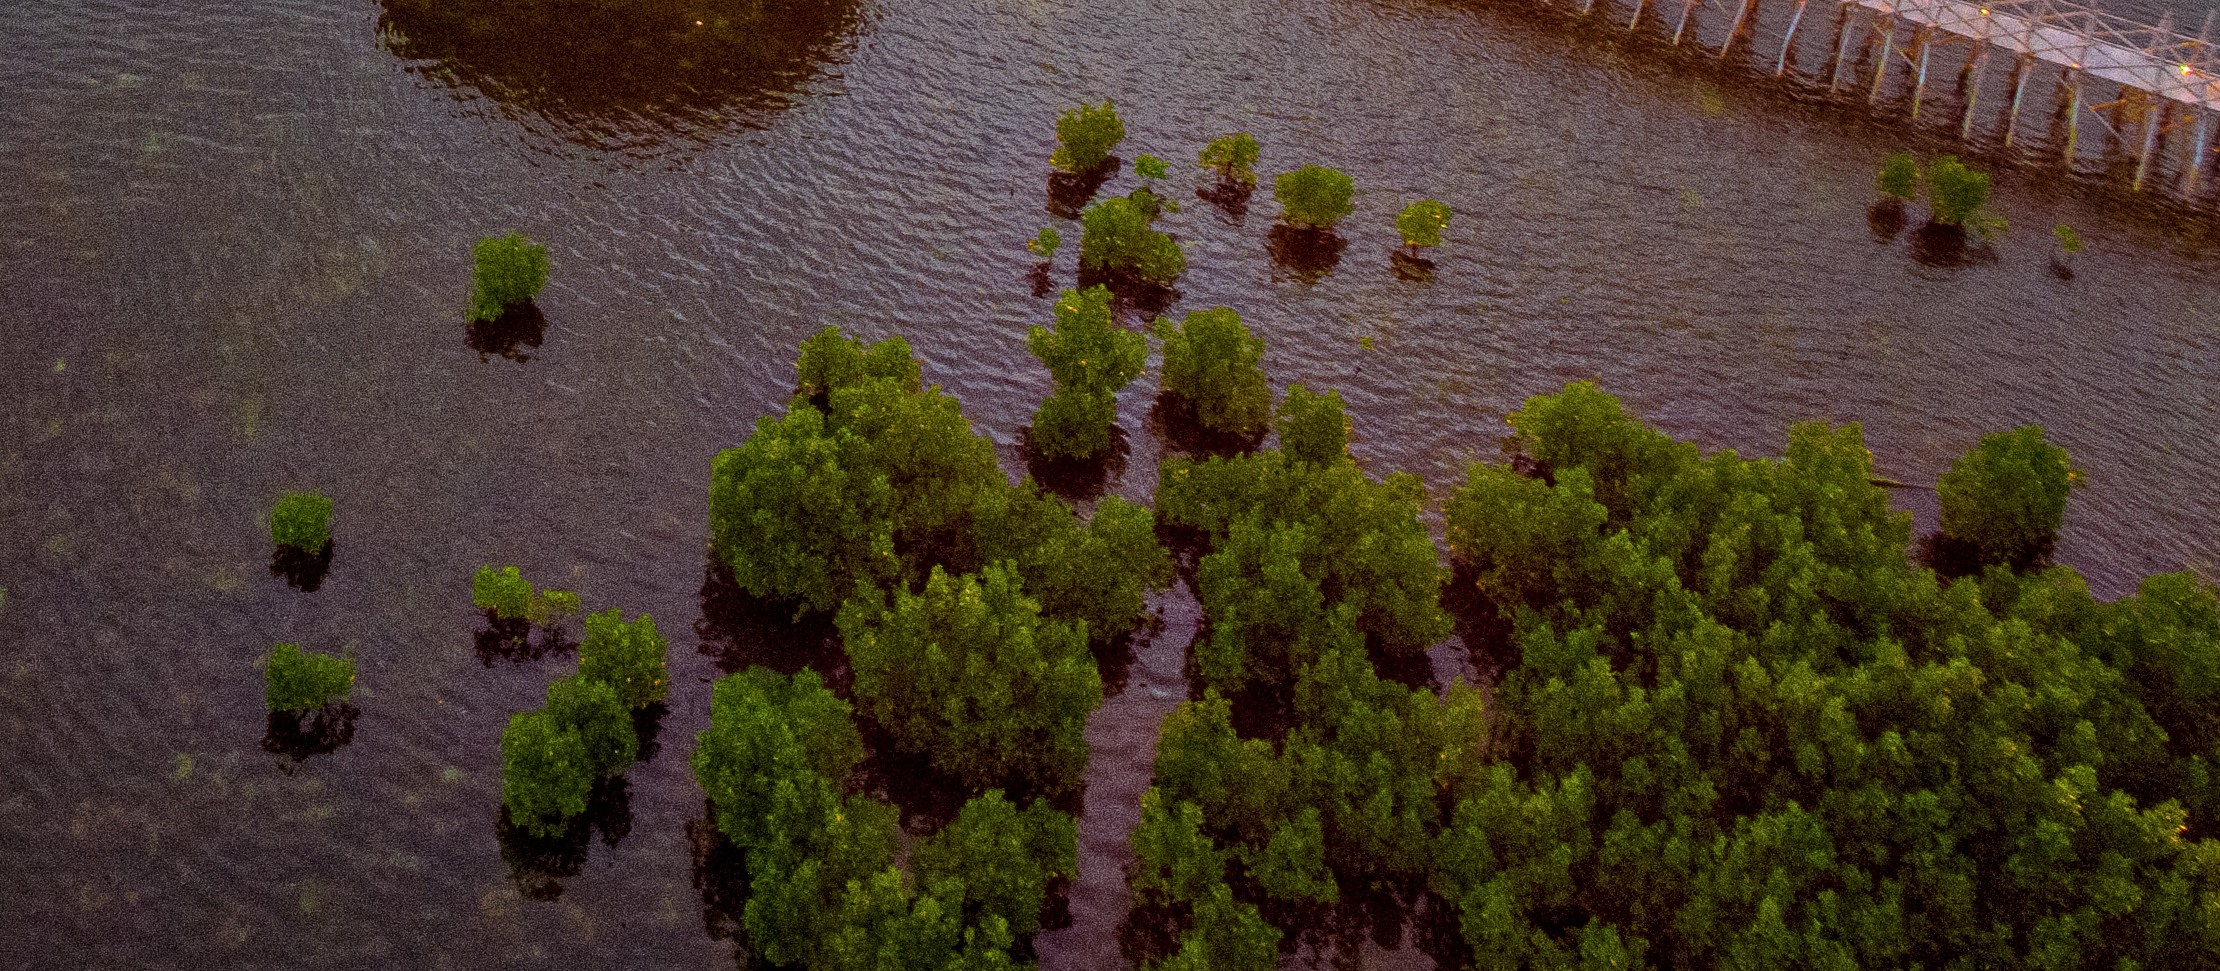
x=869 y=485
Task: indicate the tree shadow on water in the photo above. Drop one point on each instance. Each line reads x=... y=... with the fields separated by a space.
x=1305 y=254
x=1409 y=268
x=629 y=76
x=1886 y=219
x=1948 y=247
x=540 y=864
x=1173 y=419
x=295 y=736
x=510 y=639
x=1075 y=480
x=1069 y=192
x=739 y=630
x=1134 y=299
x=300 y=569
x=1231 y=199
x=520 y=326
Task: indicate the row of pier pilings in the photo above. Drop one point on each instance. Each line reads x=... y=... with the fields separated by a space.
x=1888 y=62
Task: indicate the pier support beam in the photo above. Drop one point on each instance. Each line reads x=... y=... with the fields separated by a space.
x=1687 y=14
x=2153 y=118
x=1636 y=20
x=1736 y=30
x=2073 y=114
x=1842 y=46
x=1974 y=70
x=1780 y=66
x=2197 y=153
x=1925 y=40
x=2019 y=92
x=1881 y=70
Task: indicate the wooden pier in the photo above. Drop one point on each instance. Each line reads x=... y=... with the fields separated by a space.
x=2159 y=88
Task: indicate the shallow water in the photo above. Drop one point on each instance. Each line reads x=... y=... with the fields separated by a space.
x=233 y=261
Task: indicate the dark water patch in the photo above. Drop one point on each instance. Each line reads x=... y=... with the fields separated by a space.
x=1305 y=254
x=1075 y=480
x=638 y=78
x=300 y=569
x=539 y=865
x=295 y=736
x=1172 y=418
x=1044 y=285
x=739 y=630
x=1135 y=300
x=1230 y=199
x=1410 y=268
x=518 y=330
x=517 y=639
x=1070 y=192
x=1886 y=219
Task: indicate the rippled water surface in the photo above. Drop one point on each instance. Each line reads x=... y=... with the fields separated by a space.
x=233 y=261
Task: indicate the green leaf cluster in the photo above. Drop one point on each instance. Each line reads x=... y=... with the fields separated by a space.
x=1234 y=156
x=551 y=757
x=1899 y=177
x=505 y=271
x=824 y=890
x=1303 y=552
x=629 y=658
x=2068 y=239
x=1422 y=222
x=1117 y=235
x=1002 y=858
x=301 y=521
x=1090 y=358
x=812 y=506
x=969 y=673
x=296 y=680
x=1314 y=196
x=1211 y=361
x=1085 y=135
x=1045 y=244
x=511 y=597
x=1955 y=194
x=1745 y=730
x=2006 y=499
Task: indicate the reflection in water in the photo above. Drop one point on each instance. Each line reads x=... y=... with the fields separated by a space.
x=520 y=326
x=623 y=74
x=1886 y=219
x=540 y=864
x=300 y=569
x=1231 y=199
x=1069 y=192
x=1075 y=480
x=1306 y=254
x=297 y=735
x=1414 y=269
x=1173 y=419
x=512 y=640
x=740 y=631
x=1935 y=244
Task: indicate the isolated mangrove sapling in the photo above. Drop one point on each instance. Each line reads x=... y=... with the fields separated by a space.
x=1314 y=196
x=295 y=680
x=1233 y=156
x=1421 y=224
x=1045 y=244
x=1898 y=181
x=505 y=271
x=1085 y=135
x=301 y=521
